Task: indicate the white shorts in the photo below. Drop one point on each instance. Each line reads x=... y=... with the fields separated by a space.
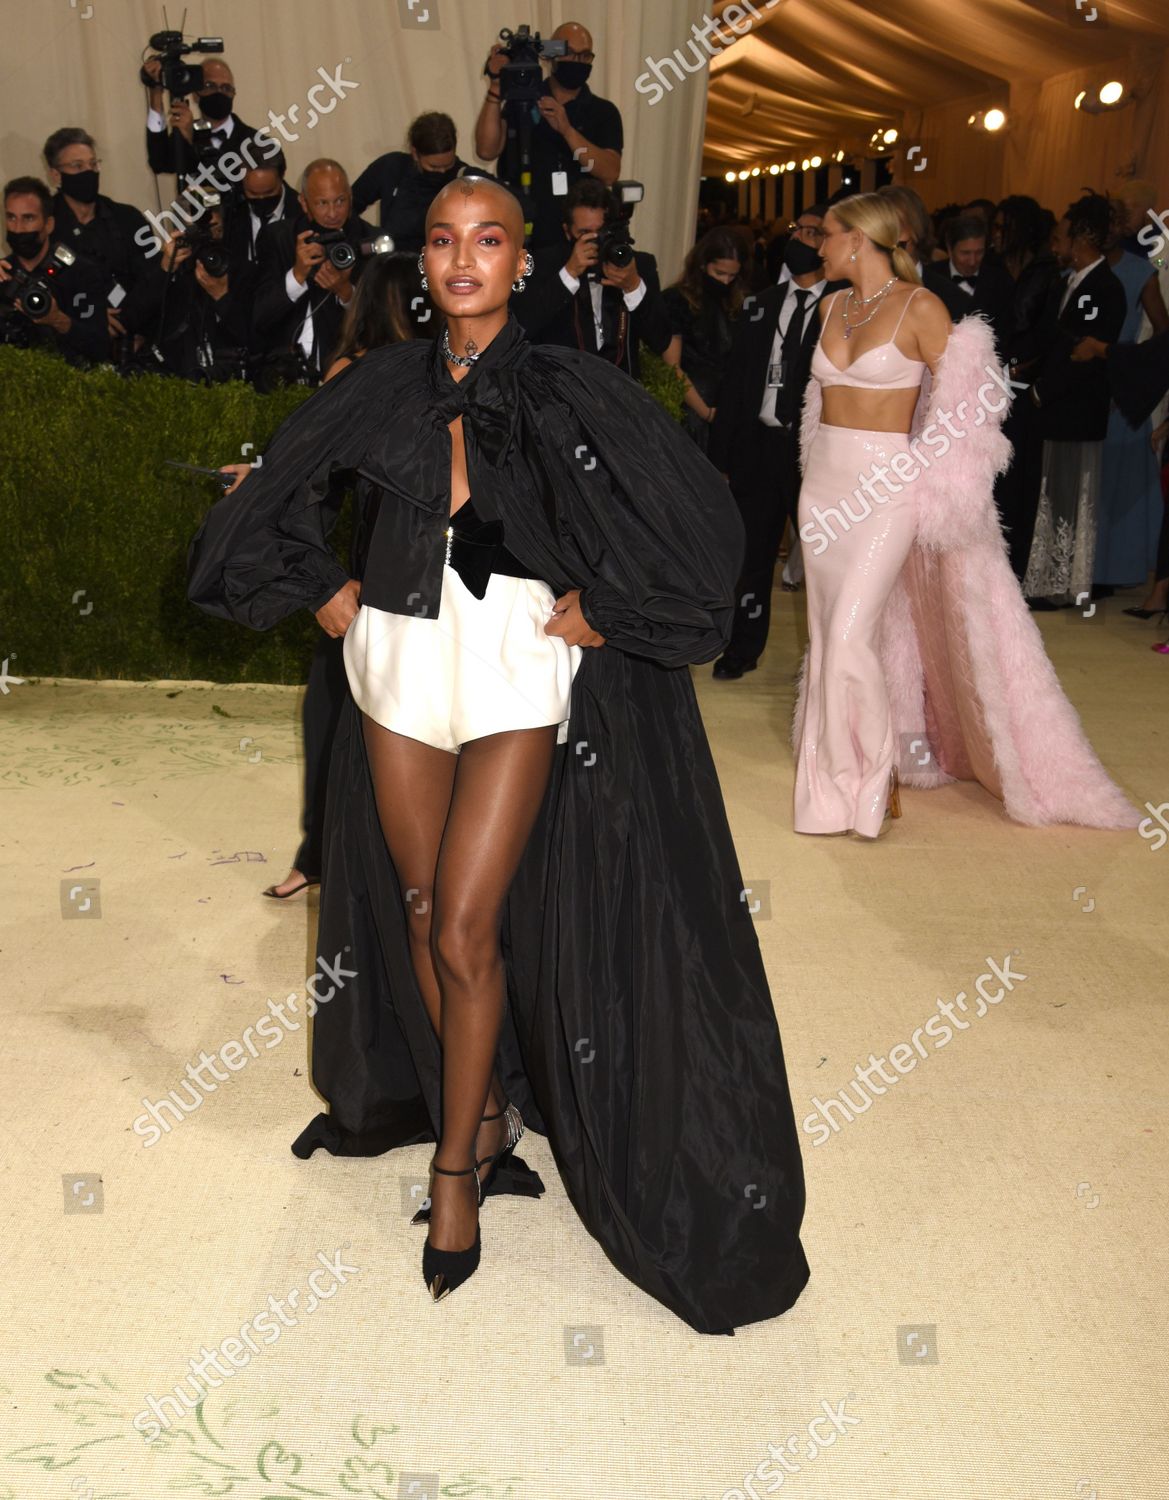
x=485 y=665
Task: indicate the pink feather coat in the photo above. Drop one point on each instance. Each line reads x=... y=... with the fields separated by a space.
x=969 y=681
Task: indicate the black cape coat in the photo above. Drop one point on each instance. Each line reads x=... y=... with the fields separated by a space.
x=640 y=1034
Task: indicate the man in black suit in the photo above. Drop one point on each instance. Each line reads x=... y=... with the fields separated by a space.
x=301 y=296
x=263 y=198
x=231 y=147
x=983 y=287
x=581 y=304
x=1072 y=401
x=755 y=436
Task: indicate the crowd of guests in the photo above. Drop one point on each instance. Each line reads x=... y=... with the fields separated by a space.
x=1083 y=501
x=264 y=281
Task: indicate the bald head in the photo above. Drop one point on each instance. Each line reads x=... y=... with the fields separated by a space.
x=578 y=37
x=488 y=200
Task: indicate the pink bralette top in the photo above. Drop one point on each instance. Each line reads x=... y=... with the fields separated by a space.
x=883 y=367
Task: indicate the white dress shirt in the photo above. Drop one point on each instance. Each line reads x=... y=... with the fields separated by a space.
x=786 y=313
x=633 y=300
x=156 y=124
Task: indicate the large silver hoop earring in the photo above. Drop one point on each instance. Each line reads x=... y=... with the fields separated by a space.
x=529 y=267
x=422 y=272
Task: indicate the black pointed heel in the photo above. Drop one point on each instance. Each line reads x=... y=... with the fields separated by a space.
x=515 y=1129
x=444 y=1270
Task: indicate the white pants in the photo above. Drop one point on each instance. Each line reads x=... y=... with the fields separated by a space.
x=485 y=665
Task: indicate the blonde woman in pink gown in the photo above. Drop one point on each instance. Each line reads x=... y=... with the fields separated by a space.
x=921 y=650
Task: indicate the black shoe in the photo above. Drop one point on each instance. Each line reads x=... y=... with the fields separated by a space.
x=445 y=1270
x=515 y=1129
x=1145 y=614
x=730 y=670
x=1042 y=605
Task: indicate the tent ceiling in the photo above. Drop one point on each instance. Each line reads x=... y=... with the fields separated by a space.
x=818 y=73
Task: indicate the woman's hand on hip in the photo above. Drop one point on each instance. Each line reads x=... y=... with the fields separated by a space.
x=569 y=623
x=336 y=617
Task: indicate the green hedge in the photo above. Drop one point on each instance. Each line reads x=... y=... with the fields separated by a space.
x=95 y=529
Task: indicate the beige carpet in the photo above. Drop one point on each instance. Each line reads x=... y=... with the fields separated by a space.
x=987 y=1240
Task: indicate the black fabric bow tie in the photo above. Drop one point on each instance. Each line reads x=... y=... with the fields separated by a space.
x=959 y=276
x=486 y=396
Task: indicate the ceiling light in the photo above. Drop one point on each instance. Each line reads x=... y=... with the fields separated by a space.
x=755 y=171
x=743 y=176
x=1080 y=97
x=731 y=176
x=791 y=166
x=816 y=161
x=774 y=169
x=1111 y=93
x=889 y=137
x=994 y=119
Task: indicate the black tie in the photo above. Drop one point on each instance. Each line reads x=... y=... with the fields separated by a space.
x=785 y=398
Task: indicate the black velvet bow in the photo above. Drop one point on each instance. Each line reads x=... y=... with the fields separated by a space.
x=473 y=553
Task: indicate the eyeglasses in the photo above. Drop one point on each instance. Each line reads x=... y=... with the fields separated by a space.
x=69 y=167
x=812 y=230
x=218 y=88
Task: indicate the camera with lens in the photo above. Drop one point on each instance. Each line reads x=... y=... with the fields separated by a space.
x=179 y=77
x=614 y=247
x=338 y=251
x=31 y=292
x=521 y=78
x=342 y=253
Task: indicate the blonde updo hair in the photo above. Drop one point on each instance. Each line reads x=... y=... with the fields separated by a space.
x=875 y=216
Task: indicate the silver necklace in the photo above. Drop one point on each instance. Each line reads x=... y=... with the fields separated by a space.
x=463 y=361
x=863 y=302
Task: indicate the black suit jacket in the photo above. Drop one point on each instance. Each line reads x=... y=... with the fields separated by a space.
x=237 y=232
x=167 y=151
x=1073 y=398
x=276 y=320
x=741 y=397
x=993 y=297
x=545 y=310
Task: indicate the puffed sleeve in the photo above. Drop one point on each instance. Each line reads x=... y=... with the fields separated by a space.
x=651 y=524
x=263 y=552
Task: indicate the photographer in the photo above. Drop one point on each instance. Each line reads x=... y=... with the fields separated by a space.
x=262 y=198
x=72 y=291
x=95 y=226
x=575 y=133
x=175 y=149
x=301 y=294
x=589 y=302
x=405 y=182
x=202 y=316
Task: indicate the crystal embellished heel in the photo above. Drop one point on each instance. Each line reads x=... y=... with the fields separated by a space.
x=515 y=1129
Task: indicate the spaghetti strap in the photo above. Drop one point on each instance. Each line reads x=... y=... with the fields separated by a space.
x=904 y=309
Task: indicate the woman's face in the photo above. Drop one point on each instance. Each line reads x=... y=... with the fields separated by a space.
x=473 y=252
x=836 y=247
x=722 y=270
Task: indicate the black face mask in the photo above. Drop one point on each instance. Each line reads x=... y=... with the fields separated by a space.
x=715 y=287
x=80 y=186
x=216 y=107
x=572 y=75
x=264 y=208
x=25 y=243
x=801 y=259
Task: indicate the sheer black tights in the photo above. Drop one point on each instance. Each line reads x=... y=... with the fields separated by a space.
x=456 y=827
